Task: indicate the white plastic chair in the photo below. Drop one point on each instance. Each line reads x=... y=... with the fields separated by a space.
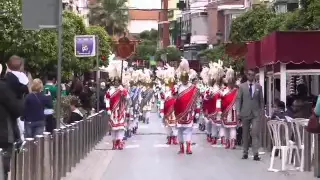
x=297 y=125
x=287 y=147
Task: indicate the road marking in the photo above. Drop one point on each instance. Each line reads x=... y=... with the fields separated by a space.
x=132 y=146
x=143 y=127
x=161 y=145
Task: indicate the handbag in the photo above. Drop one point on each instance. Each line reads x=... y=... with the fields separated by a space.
x=313 y=124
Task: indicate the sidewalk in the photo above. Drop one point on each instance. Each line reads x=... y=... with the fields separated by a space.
x=95 y=164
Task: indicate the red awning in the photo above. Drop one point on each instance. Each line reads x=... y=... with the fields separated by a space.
x=294 y=47
x=253 y=55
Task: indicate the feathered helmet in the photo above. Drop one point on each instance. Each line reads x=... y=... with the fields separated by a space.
x=126 y=78
x=230 y=75
x=169 y=75
x=146 y=77
x=216 y=71
x=183 y=70
x=205 y=75
x=114 y=72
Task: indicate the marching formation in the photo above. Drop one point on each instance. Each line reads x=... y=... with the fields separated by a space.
x=181 y=97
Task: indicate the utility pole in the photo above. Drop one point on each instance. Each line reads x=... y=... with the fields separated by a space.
x=166 y=34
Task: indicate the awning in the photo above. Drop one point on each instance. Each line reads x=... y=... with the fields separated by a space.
x=253 y=55
x=295 y=47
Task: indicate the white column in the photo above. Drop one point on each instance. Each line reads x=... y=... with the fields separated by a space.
x=315 y=85
x=261 y=79
x=269 y=95
x=283 y=83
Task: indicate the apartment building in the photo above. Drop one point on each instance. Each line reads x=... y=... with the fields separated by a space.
x=78 y=6
x=143 y=15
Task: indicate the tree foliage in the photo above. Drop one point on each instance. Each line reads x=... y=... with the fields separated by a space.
x=110 y=14
x=251 y=25
x=262 y=20
x=172 y=53
x=218 y=53
x=39 y=48
x=148 y=44
x=105 y=41
x=15 y=40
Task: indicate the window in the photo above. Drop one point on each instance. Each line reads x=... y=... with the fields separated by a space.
x=281 y=8
x=203 y=13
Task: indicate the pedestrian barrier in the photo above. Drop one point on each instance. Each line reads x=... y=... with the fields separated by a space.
x=52 y=156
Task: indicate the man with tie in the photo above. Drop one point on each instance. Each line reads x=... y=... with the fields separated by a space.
x=250 y=108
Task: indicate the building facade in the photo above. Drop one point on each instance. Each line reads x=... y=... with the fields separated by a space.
x=143 y=15
x=163 y=25
x=220 y=16
x=79 y=7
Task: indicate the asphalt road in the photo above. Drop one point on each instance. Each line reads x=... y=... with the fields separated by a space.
x=147 y=157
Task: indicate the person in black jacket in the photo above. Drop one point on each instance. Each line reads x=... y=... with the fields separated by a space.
x=76 y=115
x=10 y=110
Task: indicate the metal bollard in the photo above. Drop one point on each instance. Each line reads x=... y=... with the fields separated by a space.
x=56 y=154
x=67 y=149
x=76 y=145
x=90 y=137
x=63 y=152
x=86 y=139
x=1 y=165
x=13 y=165
x=81 y=139
x=48 y=162
x=39 y=157
x=19 y=175
x=72 y=145
x=28 y=160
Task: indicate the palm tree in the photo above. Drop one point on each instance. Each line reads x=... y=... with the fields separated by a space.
x=110 y=14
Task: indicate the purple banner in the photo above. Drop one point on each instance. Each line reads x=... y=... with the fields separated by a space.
x=85 y=45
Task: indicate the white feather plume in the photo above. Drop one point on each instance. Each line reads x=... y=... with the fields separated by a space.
x=205 y=75
x=193 y=74
x=183 y=67
x=230 y=74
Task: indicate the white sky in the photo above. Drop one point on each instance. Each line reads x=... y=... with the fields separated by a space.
x=145 y=4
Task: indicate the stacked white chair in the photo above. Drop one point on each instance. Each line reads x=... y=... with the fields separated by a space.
x=297 y=125
x=281 y=143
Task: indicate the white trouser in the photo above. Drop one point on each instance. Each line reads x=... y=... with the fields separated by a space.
x=184 y=134
x=172 y=131
x=215 y=130
x=147 y=115
x=208 y=124
x=131 y=124
x=117 y=134
x=228 y=133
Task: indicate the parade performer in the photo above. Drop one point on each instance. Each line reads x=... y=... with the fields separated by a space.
x=168 y=106
x=135 y=95
x=229 y=114
x=146 y=96
x=205 y=123
x=115 y=100
x=213 y=96
x=185 y=107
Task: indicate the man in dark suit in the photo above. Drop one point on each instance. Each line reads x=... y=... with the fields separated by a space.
x=250 y=106
x=10 y=110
